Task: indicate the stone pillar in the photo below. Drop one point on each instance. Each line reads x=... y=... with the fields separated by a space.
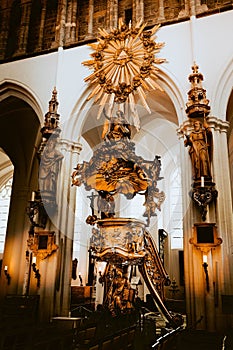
x=139 y=10
x=73 y=33
x=68 y=22
x=5 y=17
x=204 y=307
x=192 y=7
x=161 y=16
x=42 y=23
x=196 y=7
x=16 y=239
x=70 y=33
x=221 y=174
x=200 y=7
x=65 y=226
x=113 y=13
x=24 y=28
x=90 y=20
x=184 y=12
x=61 y=25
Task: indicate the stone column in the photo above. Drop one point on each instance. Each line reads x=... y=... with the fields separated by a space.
x=139 y=10
x=65 y=225
x=61 y=25
x=221 y=175
x=4 y=31
x=24 y=28
x=204 y=307
x=197 y=7
x=16 y=239
x=68 y=22
x=114 y=14
x=73 y=22
x=42 y=23
x=184 y=12
x=90 y=20
x=161 y=16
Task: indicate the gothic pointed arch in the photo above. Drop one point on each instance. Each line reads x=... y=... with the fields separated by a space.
x=222 y=91
x=16 y=89
x=229 y=117
x=19 y=127
x=168 y=104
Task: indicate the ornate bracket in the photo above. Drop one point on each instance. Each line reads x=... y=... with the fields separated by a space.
x=203 y=196
x=36 y=212
x=205 y=237
x=43 y=244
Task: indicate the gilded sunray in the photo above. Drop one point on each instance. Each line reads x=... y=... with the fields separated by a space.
x=124 y=62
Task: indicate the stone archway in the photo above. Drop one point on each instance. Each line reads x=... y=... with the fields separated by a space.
x=19 y=135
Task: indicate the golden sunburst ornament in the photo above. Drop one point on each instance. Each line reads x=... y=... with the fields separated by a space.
x=124 y=62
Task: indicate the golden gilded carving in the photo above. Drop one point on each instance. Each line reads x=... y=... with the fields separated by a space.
x=199 y=142
x=197 y=105
x=124 y=62
x=205 y=237
x=118 y=238
x=119 y=296
x=116 y=169
x=199 y=149
x=49 y=156
x=43 y=244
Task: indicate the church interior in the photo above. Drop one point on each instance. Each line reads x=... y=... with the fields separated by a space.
x=116 y=174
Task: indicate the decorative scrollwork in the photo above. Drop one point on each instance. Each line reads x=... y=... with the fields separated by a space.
x=203 y=196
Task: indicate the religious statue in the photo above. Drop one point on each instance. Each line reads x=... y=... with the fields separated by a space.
x=199 y=150
x=119 y=295
x=116 y=128
x=106 y=204
x=74 y=268
x=49 y=169
x=96 y=241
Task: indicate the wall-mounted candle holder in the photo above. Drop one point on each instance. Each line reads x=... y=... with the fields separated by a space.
x=205 y=266
x=80 y=279
x=8 y=277
x=36 y=271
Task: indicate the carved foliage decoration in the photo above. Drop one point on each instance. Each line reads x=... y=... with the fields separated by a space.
x=115 y=168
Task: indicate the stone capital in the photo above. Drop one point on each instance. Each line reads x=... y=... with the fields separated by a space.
x=70 y=146
x=218 y=124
